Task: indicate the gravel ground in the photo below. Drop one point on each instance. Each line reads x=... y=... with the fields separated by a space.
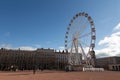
x=60 y=75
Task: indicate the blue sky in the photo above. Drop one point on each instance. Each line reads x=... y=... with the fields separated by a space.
x=43 y=23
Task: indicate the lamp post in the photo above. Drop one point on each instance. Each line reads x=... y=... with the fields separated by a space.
x=34 y=63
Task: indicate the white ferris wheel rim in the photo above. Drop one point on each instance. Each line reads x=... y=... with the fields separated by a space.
x=92 y=31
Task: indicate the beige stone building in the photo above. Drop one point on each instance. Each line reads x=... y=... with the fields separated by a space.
x=114 y=67
x=61 y=60
x=46 y=59
x=19 y=58
x=27 y=60
x=107 y=62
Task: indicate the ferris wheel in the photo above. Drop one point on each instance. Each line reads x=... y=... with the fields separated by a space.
x=80 y=39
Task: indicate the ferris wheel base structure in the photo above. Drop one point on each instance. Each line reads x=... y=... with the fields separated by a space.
x=80 y=42
x=78 y=67
x=92 y=64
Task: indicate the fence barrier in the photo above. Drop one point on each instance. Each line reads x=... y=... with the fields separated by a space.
x=93 y=69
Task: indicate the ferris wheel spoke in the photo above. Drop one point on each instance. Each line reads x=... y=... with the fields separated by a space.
x=69 y=44
x=85 y=35
x=85 y=44
x=71 y=48
x=76 y=26
x=83 y=51
x=84 y=27
x=81 y=23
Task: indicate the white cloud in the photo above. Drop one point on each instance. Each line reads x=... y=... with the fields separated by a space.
x=111 y=40
x=9 y=46
x=111 y=44
x=27 y=48
x=117 y=27
x=61 y=48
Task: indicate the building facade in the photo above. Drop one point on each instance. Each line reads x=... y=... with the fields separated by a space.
x=47 y=59
x=27 y=60
x=114 y=67
x=17 y=58
x=61 y=60
x=107 y=62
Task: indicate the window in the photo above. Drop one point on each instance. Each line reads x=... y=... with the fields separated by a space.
x=113 y=67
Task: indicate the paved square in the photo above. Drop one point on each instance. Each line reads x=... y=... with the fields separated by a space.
x=60 y=75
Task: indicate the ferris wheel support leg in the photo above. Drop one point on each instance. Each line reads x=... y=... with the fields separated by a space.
x=87 y=62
